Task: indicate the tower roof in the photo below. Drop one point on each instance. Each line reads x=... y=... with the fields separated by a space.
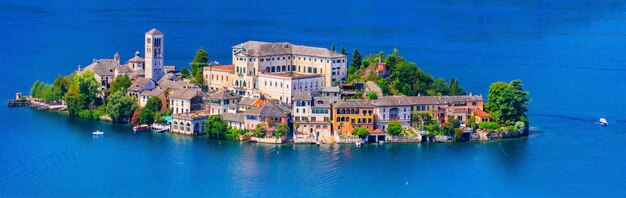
x=154 y=31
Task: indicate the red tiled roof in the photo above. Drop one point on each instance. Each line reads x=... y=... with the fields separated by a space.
x=223 y=67
x=480 y=113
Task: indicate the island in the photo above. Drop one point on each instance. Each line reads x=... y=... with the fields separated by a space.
x=281 y=92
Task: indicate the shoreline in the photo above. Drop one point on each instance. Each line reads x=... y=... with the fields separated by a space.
x=289 y=141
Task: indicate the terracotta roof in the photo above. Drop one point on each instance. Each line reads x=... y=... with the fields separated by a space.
x=480 y=113
x=154 y=31
x=376 y=131
x=258 y=48
x=223 y=67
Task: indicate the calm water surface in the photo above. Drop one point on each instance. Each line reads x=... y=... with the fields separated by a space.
x=570 y=56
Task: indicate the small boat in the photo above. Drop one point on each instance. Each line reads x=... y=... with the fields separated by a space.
x=603 y=122
x=160 y=127
x=358 y=144
x=142 y=127
x=97 y=132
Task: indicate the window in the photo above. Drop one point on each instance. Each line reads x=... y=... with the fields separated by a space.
x=309 y=69
x=315 y=70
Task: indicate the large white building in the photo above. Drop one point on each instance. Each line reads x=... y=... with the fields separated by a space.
x=276 y=70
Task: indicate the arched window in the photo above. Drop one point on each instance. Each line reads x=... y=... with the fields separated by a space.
x=284 y=68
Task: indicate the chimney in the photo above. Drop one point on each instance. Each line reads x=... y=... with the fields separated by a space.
x=470 y=94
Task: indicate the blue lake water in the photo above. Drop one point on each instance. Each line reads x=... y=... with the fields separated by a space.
x=570 y=56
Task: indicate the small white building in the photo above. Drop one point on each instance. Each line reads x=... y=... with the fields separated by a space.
x=188 y=123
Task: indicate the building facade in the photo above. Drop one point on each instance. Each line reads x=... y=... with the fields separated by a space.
x=154 y=54
x=352 y=113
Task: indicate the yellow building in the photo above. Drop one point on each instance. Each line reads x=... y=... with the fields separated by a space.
x=350 y=114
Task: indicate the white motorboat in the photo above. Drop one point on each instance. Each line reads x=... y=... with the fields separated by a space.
x=160 y=127
x=603 y=122
x=97 y=132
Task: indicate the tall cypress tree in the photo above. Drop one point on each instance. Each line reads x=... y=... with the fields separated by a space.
x=356 y=58
x=343 y=51
x=332 y=48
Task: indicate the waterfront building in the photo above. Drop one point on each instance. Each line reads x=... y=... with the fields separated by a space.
x=235 y=120
x=481 y=116
x=154 y=48
x=348 y=114
x=433 y=106
x=191 y=123
x=390 y=108
x=269 y=115
x=186 y=100
x=311 y=118
x=461 y=107
x=219 y=101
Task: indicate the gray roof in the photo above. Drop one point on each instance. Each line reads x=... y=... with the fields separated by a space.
x=392 y=101
x=139 y=84
x=153 y=92
x=353 y=103
x=258 y=48
x=331 y=89
x=154 y=31
x=269 y=109
x=103 y=67
x=305 y=95
x=322 y=102
x=224 y=95
x=233 y=117
x=465 y=98
x=423 y=100
x=185 y=94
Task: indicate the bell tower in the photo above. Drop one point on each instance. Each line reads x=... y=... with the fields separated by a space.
x=154 y=54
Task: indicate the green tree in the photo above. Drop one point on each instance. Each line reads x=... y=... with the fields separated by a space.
x=455 y=89
x=200 y=60
x=120 y=107
x=60 y=87
x=343 y=51
x=440 y=87
x=360 y=131
x=332 y=48
x=258 y=131
x=121 y=83
x=154 y=104
x=87 y=86
x=146 y=116
x=216 y=127
x=281 y=129
x=372 y=95
x=394 y=128
x=356 y=59
x=507 y=102
x=184 y=72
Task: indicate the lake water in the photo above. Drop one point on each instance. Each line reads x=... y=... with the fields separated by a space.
x=570 y=56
